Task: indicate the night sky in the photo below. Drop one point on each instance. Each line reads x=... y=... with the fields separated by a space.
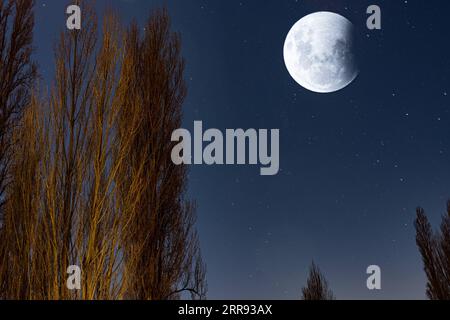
x=354 y=164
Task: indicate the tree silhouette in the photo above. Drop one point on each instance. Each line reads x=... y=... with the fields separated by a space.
x=435 y=251
x=317 y=286
x=17 y=74
x=162 y=253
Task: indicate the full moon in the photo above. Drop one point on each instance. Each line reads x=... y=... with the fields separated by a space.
x=318 y=52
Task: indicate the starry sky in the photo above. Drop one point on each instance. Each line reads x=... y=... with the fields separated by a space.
x=354 y=164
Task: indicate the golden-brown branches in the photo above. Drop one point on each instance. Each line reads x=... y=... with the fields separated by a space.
x=161 y=250
x=93 y=184
x=17 y=74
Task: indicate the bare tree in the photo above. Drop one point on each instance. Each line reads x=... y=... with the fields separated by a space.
x=162 y=257
x=435 y=251
x=45 y=228
x=92 y=182
x=21 y=246
x=317 y=286
x=17 y=74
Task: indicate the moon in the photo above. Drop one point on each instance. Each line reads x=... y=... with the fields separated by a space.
x=318 y=52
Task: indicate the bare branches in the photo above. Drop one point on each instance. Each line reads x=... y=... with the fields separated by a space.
x=92 y=181
x=435 y=252
x=317 y=286
x=17 y=74
x=161 y=247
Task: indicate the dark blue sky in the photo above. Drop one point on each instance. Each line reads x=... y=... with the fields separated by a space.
x=354 y=164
